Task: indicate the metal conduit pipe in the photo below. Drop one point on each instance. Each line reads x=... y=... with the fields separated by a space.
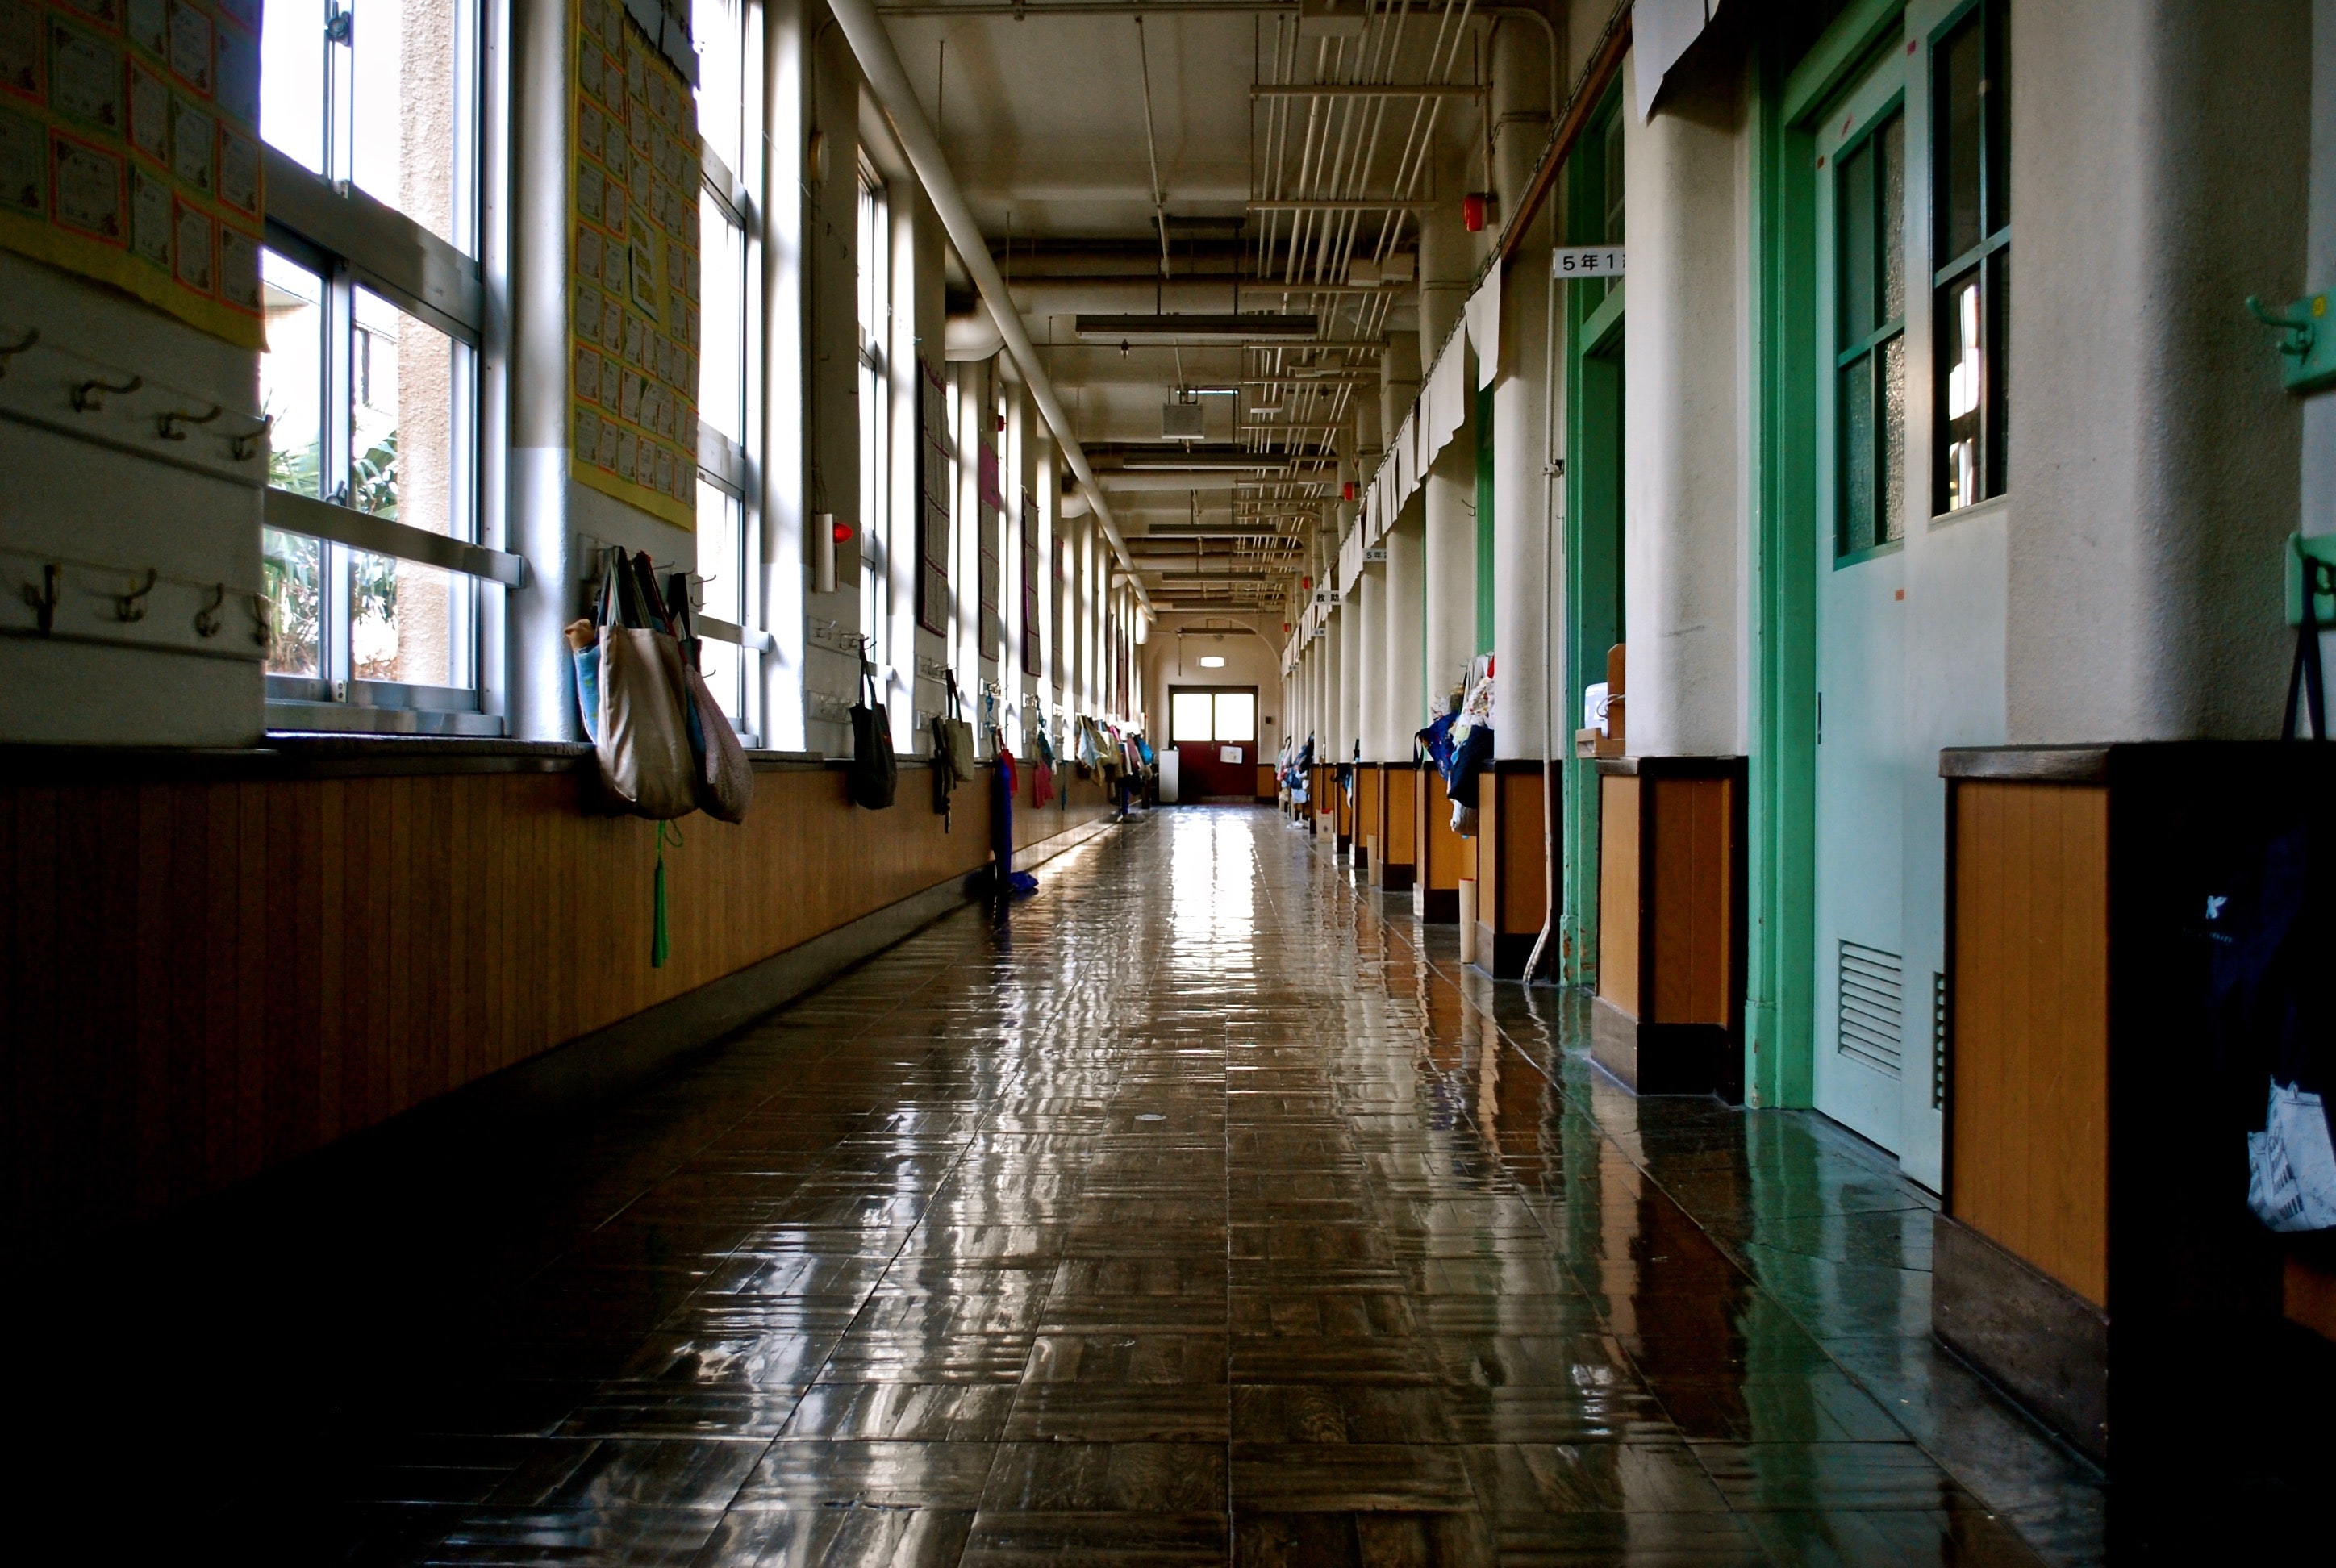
x=880 y=64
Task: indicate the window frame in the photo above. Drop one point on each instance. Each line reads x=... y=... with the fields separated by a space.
x=1872 y=347
x=727 y=459
x=1213 y=693
x=1987 y=261
x=350 y=239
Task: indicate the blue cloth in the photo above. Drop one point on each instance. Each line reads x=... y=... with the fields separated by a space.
x=1473 y=756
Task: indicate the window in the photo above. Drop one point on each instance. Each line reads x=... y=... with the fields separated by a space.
x=1226 y=713
x=370 y=376
x=875 y=252
x=729 y=516
x=1971 y=251
x=1870 y=339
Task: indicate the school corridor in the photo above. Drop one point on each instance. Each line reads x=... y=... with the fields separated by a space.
x=1198 y=1209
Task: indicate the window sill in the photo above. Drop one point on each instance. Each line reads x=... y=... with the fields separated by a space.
x=356 y=718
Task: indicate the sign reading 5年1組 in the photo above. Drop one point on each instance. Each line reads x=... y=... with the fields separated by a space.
x=1586 y=261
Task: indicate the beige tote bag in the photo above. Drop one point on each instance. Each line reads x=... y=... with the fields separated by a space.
x=645 y=756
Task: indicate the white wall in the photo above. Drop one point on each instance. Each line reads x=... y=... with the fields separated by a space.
x=1683 y=397
x=2158 y=178
x=107 y=514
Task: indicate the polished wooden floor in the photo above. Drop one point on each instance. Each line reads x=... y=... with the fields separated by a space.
x=1201 y=1210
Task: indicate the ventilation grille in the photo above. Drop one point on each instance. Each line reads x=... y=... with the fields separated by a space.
x=1938 y=1041
x=1873 y=1005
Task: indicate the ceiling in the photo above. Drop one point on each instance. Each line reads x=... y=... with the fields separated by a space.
x=1044 y=116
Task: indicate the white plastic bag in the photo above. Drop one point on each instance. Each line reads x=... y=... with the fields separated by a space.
x=2290 y=1166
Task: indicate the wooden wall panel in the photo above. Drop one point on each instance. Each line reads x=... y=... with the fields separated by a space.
x=2030 y=1014
x=1518 y=898
x=1395 y=843
x=1618 y=891
x=1269 y=783
x=206 y=979
x=1690 y=827
x=1436 y=846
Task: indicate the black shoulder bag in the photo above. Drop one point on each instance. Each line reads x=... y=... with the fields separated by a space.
x=875 y=772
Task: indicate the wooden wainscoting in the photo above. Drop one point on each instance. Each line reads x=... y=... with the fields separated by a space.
x=209 y=976
x=1365 y=829
x=1669 y=1010
x=1437 y=868
x=1399 y=789
x=1512 y=883
x=1618 y=893
x=1268 y=785
x=2029 y=1096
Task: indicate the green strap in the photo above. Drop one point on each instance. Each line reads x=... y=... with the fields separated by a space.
x=660 y=945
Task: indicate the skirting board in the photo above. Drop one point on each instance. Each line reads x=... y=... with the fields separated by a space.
x=1436 y=906
x=1661 y=1058
x=1504 y=957
x=2046 y=1346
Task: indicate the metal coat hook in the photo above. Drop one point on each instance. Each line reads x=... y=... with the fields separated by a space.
x=2300 y=330
x=168 y=424
x=10 y=351
x=206 y=620
x=43 y=599
x=88 y=397
x=244 y=447
x=132 y=606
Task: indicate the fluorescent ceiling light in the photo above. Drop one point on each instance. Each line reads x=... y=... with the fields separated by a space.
x=1212 y=661
x=1248 y=326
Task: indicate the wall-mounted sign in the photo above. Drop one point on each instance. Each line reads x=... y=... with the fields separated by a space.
x=1328 y=596
x=633 y=202
x=1375 y=555
x=1586 y=261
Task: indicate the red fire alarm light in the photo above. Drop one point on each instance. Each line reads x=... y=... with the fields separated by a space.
x=1346 y=491
x=842 y=531
x=1475 y=211
x=1306 y=582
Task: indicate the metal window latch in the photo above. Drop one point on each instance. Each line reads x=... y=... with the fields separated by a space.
x=340 y=24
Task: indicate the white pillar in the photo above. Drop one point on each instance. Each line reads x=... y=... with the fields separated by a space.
x=1682 y=479
x=1406 y=589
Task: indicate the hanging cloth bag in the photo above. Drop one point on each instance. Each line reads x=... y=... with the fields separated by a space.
x=952 y=728
x=875 y=773
x=642 y=738
x=723 y=783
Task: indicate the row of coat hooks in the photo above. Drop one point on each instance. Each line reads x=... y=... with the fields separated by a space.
x=128 y=592
x=92 y=389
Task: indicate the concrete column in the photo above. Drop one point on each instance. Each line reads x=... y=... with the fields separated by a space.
x=2320 y=273
x=1352 y=641
x=1521 y=107
x=542 y=705
x=1398 y=381
x=1450 y=548
x=1406 y=589
x=1375 y=726
x=784 y=587
x=1524 y=604
x=1446 y=253
x=2159 y=160
x=1682 y=479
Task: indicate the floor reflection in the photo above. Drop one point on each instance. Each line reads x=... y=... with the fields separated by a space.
x=1216 y=1215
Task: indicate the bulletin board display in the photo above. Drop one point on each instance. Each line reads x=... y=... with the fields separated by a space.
x=634 y=258
x=130 y=149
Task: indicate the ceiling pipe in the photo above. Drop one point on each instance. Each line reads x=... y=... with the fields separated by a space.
x=971 y=335
x=880 y=64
